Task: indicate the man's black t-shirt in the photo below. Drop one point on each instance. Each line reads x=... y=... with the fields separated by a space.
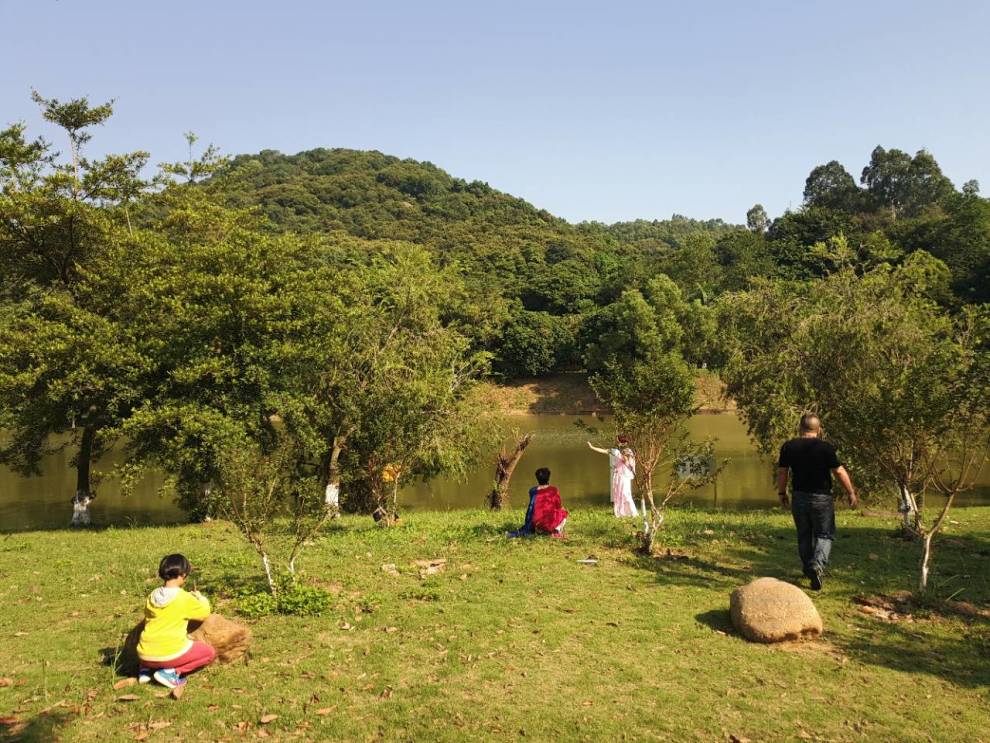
x=810 y=461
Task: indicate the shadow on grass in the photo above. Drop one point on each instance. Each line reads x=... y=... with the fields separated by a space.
x=956 y=653
x=42 y=728
x=942 y=641
x=717 y=619
x=687 y=570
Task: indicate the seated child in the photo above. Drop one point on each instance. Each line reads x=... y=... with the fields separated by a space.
x=548 y=514
x=526 y=530
x=164 y=647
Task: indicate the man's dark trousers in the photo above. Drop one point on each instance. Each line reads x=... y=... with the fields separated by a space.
x=814 y=517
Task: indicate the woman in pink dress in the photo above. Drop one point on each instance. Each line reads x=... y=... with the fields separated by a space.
x=622 y=466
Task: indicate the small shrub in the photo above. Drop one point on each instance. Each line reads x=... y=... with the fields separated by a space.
x=291 y=599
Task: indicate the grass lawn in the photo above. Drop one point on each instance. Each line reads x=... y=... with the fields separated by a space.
x=511 y=640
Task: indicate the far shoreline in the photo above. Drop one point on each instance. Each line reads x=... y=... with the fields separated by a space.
x=570 y=394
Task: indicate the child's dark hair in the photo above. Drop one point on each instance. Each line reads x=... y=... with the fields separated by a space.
x=543 y=476
x=172 y=566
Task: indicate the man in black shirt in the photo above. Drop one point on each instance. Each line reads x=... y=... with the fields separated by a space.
x=811 y=461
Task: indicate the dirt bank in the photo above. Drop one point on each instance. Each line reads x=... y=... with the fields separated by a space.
x=570 y=394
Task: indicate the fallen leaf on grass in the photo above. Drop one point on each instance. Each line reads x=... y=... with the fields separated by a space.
x=158 y=725
x=325 y=710
x=123 y=683
x=874 y=556
x=20 y=634
x=390 y=569
x=127 y=698
x=390 y=629
x=430 y=567
x=6 y=682
x=9 y=720
x=177 y=692
x=738 y=739
x=265 y=719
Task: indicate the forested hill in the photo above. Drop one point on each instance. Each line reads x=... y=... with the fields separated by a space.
x=542 y=284
x=538 y=274
x=372 y=195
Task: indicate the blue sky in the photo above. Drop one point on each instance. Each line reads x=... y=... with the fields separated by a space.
x=607 y=111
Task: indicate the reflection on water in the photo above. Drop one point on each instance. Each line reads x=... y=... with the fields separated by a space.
x=581 y=474
x=43 y=502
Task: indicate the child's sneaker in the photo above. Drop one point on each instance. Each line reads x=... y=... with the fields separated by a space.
x=557 y=535
x=144 y=675
x=168 y=677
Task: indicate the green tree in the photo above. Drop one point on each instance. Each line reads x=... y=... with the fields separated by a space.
x=71 y=366
x=694 y=267
x=830 y=186
x=743 y=255
x=896 y=381
x=534 y=344
x=904 y=184
x=757 y=220
x=389 y=396
x=641 y=374
x=227 y=310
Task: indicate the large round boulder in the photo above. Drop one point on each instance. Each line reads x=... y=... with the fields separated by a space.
x=769 y=610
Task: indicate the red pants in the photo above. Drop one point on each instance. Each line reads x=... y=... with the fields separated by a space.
x=199 y=655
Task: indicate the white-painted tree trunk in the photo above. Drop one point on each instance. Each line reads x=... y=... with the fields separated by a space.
x=331 y=496
x=926 y=555
x=80 y=509
x=908 y=507
x=268 y=574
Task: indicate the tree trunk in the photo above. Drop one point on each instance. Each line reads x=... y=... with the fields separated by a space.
x=505 y=465
x=84 y=493
x=331 y=491
x=908 y=507
x=652 y=518
x=926 y=550
x=926 y=554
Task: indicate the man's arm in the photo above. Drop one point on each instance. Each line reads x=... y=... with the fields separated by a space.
x=840 y=472
x=595 y=448
x=782 y=484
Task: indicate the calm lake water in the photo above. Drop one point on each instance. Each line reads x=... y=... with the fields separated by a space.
x=559 y=443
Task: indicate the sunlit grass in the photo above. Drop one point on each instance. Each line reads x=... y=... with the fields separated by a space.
x=512 y=638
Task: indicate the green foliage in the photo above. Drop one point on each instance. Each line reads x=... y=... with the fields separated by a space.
x=906 y=185
x=757 y=220
x=509 y=252
x=71 y=358
x=891 y=374
x=292 y=599
x=534 y=344
x=642 y=376
x=830 y=186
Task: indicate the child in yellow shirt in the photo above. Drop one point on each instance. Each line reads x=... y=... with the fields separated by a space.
x=165 y=649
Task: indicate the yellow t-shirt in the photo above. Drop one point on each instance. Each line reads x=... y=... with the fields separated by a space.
x=166 y=615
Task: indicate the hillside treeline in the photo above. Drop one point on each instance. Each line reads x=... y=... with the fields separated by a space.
x=545 y=284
